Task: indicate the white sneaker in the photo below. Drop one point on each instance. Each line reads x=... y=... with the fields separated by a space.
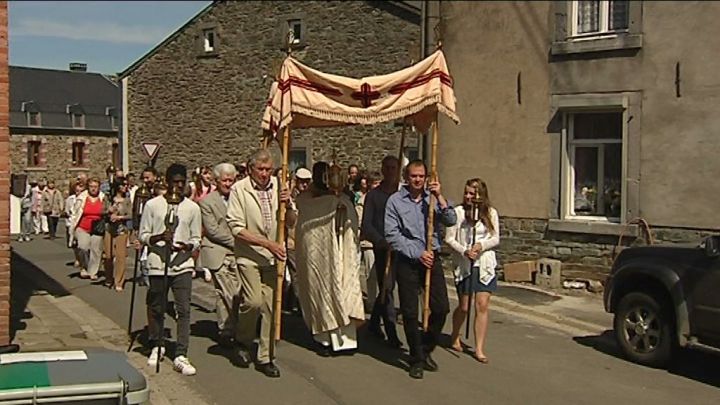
x=153 y=359
x=182 y=365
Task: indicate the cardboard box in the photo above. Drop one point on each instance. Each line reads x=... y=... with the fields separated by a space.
x=520 y=271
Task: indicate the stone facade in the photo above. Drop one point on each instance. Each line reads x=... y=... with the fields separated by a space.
x=522 y=75
x=206 y=108
x=584 y=256
x=4 y=181
x=56 y=156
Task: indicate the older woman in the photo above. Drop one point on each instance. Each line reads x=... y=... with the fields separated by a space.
x=85 y=227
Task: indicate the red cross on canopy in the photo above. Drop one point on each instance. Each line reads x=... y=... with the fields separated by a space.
x=366 y=95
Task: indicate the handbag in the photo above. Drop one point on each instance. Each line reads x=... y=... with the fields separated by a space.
x=98 y=226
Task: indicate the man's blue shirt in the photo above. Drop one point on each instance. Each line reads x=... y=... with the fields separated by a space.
x=406 y=223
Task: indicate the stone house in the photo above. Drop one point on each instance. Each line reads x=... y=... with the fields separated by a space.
x=585 y=116
x=62 y=123
x=201 y=92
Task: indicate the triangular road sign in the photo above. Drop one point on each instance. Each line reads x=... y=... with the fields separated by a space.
x=151 y=149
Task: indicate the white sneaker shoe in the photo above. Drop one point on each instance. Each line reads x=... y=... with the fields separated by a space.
x=153 y=359
x=182 y=365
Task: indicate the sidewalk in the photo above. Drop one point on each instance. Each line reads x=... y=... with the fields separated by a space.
x=47 y=317
x=579 y=313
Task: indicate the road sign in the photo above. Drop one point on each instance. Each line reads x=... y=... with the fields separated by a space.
x=151 y=149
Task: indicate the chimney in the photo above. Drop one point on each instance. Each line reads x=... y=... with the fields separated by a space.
x=78 y=67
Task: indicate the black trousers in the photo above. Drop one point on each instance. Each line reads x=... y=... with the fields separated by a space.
x=52 y=225
x=181 y=286
x=384 y=309
x=410 y=275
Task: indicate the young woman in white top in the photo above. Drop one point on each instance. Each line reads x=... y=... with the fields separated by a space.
x=480 y=279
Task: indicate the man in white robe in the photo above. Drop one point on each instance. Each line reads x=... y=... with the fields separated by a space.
x=328 y=266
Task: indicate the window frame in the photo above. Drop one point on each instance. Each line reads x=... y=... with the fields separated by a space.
x=629 y=105
x=81 y=161
x=28 y=114
x=204 y=39
x=604 y=30
x=82 y=120
x=115 y=157
x=571 y=145
x=29 y=162
x=565 y=24
x=296 y=22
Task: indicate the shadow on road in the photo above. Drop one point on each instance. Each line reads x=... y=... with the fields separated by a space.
x=693 y=364
x=28 y=280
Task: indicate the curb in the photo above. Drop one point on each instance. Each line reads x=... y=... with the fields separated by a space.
x=535 y=314
x=165 y=388
x=557 y=321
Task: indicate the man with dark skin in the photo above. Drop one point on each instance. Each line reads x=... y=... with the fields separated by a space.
x=178 y=226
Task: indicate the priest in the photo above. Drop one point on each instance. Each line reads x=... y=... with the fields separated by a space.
x=327 y=262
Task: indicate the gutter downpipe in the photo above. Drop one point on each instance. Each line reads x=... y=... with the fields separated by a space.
x=125 y=142
x=429 y=18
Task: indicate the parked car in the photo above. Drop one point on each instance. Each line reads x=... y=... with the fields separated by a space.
x=665 y=297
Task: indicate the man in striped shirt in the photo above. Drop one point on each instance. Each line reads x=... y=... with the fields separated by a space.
x=252 y=205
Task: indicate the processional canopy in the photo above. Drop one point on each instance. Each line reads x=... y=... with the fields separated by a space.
x=303 y=97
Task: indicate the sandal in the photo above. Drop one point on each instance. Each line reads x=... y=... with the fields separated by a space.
x=483 y=359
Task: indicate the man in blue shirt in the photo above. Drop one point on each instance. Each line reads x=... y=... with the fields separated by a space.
x=405 y=230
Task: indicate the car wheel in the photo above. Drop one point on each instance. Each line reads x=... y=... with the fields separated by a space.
x=644 y=330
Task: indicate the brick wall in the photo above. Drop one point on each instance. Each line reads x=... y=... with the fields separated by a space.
x=205 y=110
x=56 y=156
x=4 y=181
x=583 y=255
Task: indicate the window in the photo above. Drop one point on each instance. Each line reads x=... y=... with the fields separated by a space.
x=33 y=119
x=78 y=154
x=113 y=122
x=297 y=159
x=209 y=40
x=295 y=31
x=33 y=153
x=593 y=18
x=78 y=120
x=116 y=155
x=595 y=151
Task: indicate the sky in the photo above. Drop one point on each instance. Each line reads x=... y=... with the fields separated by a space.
x=107 y=35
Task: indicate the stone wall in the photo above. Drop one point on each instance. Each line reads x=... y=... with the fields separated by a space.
x=4 y=181
x=56 y=156
x=583 y=255
x=205 y=109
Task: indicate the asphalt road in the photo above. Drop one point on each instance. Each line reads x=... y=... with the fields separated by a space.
x=529 y=363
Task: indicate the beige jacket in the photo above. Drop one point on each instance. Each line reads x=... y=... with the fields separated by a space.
x=52 y=202
x=217 y=242
x=244 y=212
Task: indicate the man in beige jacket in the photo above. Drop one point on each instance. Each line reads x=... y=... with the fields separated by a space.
x=252 y=217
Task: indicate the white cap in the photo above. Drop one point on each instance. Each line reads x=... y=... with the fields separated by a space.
x=303 y=174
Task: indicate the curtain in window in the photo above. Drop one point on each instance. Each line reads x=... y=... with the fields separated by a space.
x=619 y=11
x=588 y=16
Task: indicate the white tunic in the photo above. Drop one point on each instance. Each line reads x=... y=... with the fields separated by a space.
x=188 y=230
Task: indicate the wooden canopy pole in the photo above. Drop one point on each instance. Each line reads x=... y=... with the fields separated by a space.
x=280 y=264
x=431 y=223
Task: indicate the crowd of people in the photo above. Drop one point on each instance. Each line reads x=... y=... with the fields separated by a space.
x=351 y=237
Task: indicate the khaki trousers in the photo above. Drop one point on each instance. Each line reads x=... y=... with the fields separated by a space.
x=115 y=249
x=227 y=300
x=258 y=284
